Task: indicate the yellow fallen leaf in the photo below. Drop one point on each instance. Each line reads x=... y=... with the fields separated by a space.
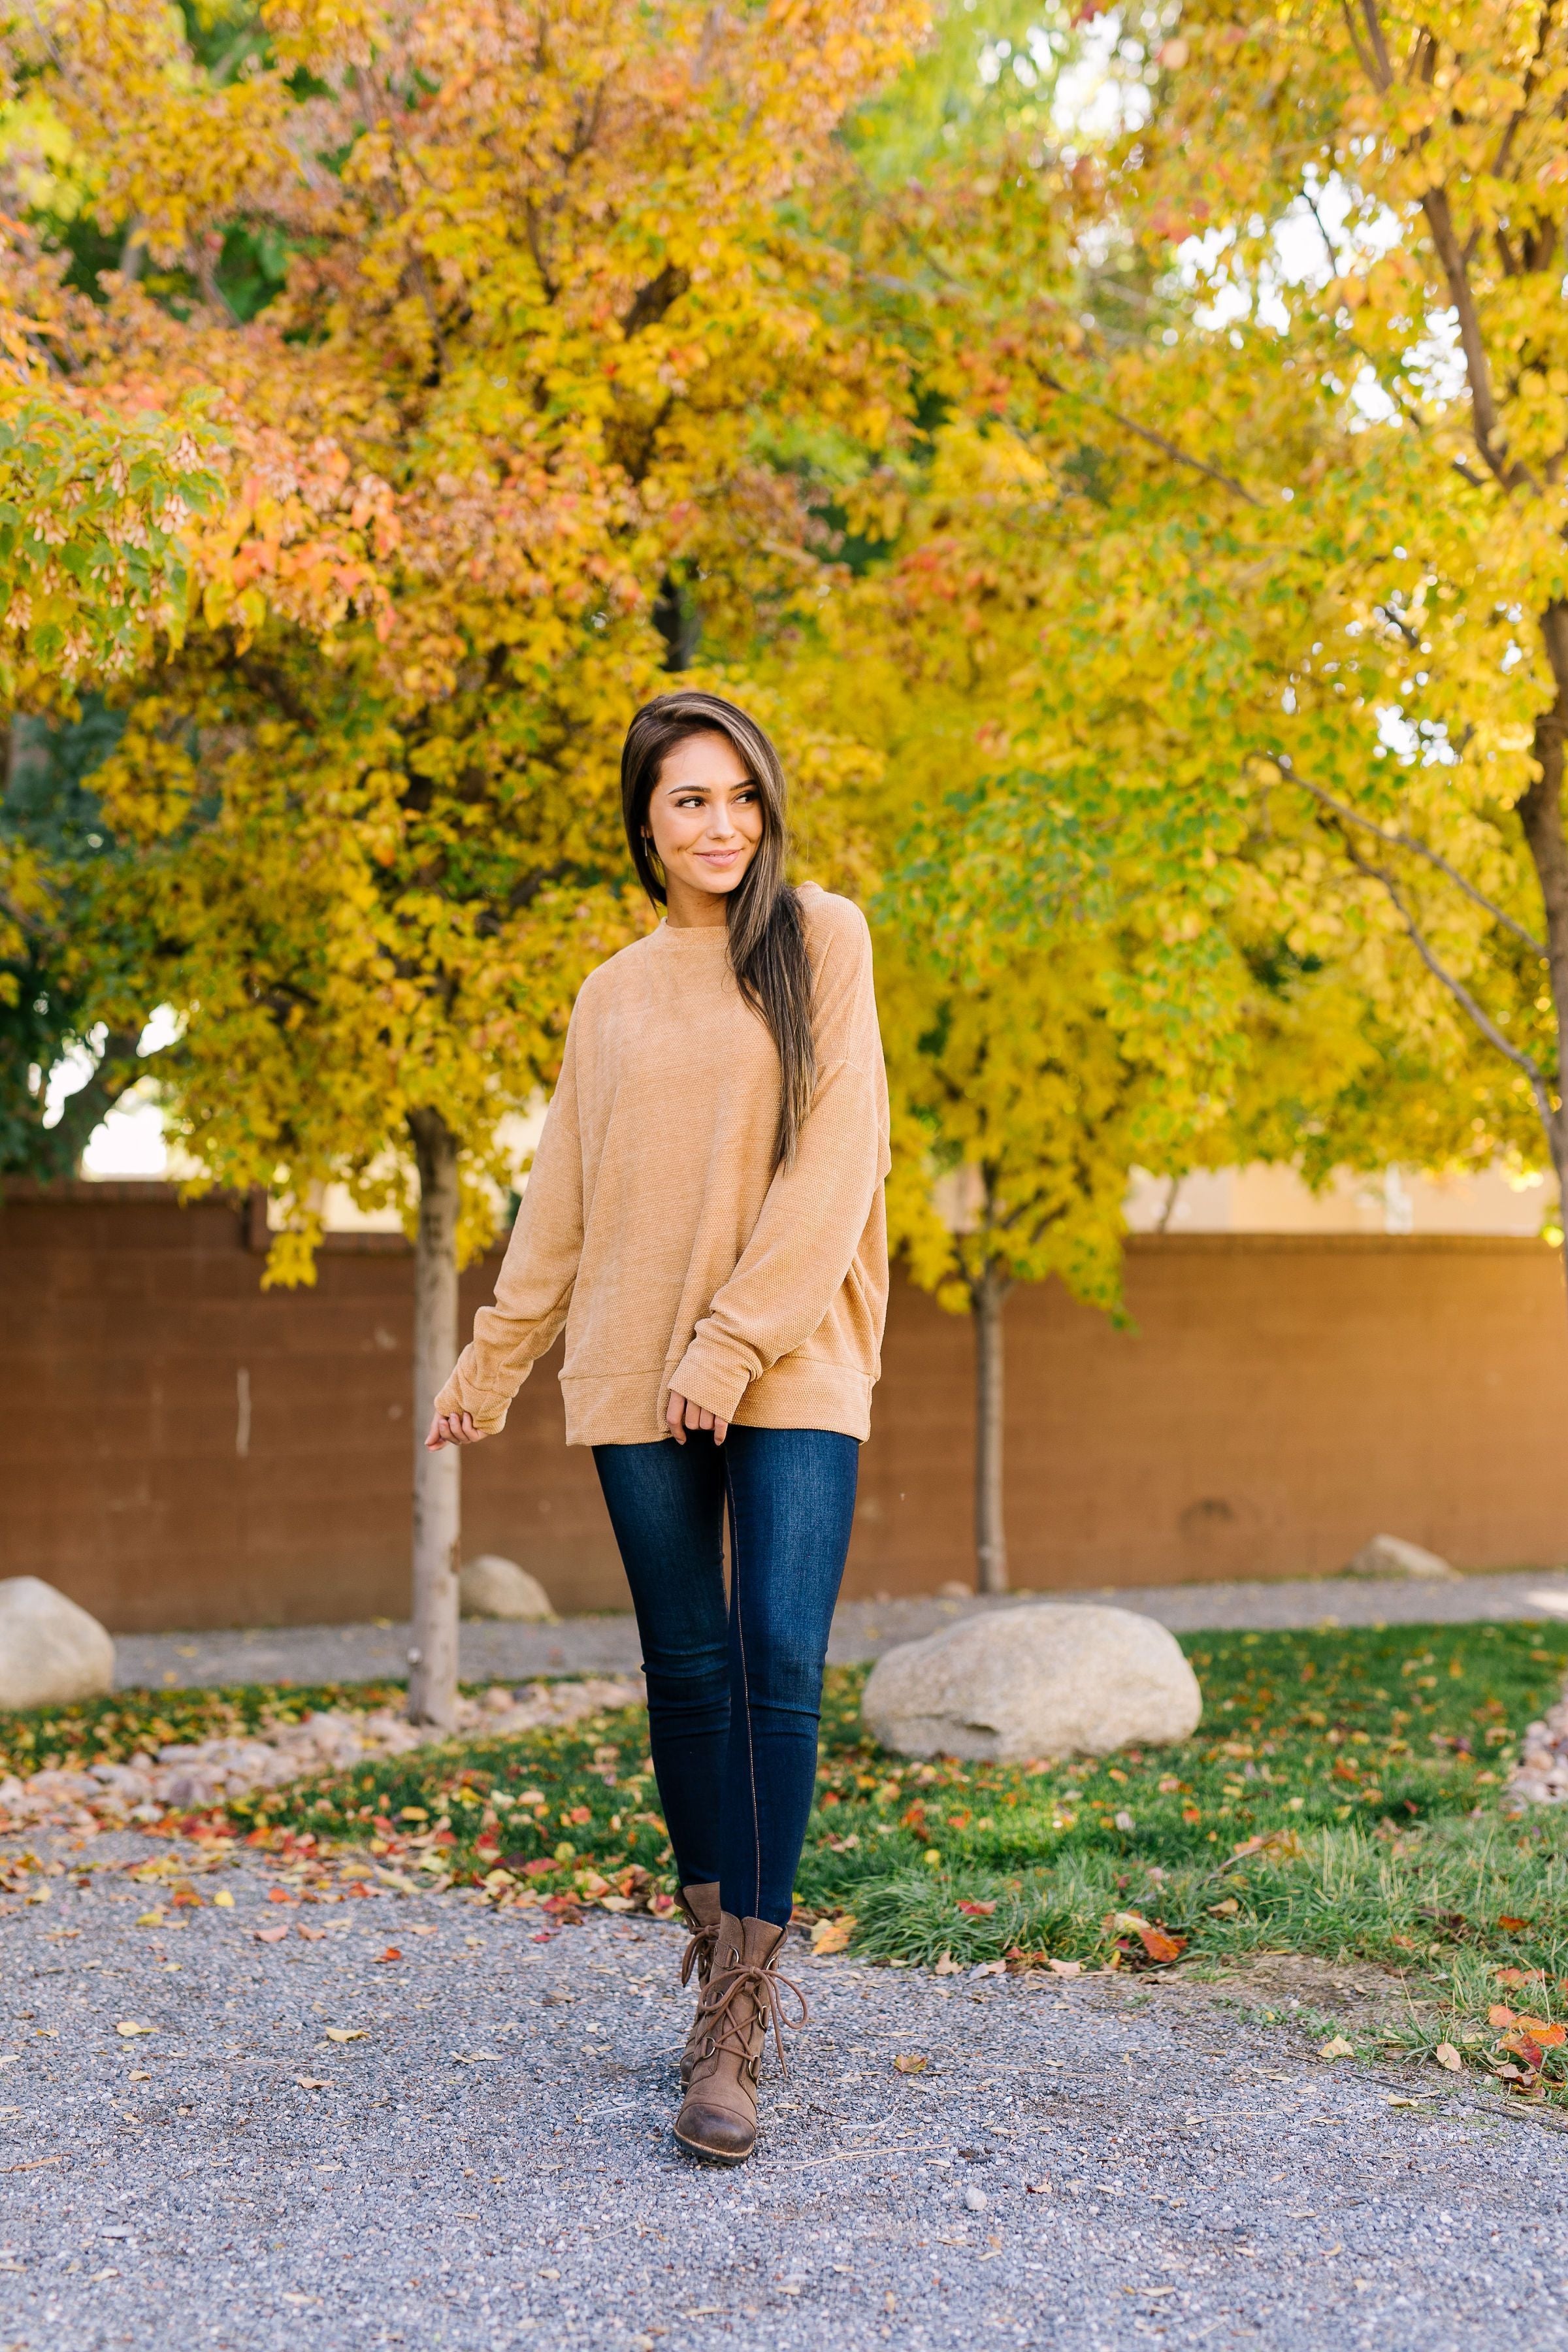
x=1446 y=2055
x=910 y=2063
x=140 y=2074
x=127 y=2026
x=1337 y=2048
x=224 y=1899
x=832 y=1935
x=345 y=2033
x=150 y=1919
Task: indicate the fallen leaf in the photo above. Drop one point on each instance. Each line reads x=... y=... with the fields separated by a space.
x=832 y=1935
x=1500 y=2015
x=977 y=1910
x=1226 y=1910
x=391 y=1953
x=346 y=2032
x=312 y=1934
x=270 y=1935
x=277 y=1895
x=1446 y=2055
x=990 y=1968
x=1065 y=1967
x=140 y=2074
x=224 y=1899
x=476 y=2057
x=1336 y=2048
x=313 y=2083
x=948 y=1967
x=1160 y=1946
x=1549 y=2036
x=150 y=1919
x=1511 y=1926
x=1517 y=1975
x=129 y=2027
x=908 y=2063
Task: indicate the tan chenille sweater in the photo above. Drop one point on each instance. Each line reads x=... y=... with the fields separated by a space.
x=655 y=1227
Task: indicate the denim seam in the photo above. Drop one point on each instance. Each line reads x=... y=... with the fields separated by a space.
x=745 y=1693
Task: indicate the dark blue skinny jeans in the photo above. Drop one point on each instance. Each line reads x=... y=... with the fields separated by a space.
x=734 y=1694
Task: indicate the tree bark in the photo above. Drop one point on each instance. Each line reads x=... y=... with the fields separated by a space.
x=1540 y=812
x=437 y=1506
x=987 y=1296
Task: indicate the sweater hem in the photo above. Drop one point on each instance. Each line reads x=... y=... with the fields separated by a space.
x=795 y=1394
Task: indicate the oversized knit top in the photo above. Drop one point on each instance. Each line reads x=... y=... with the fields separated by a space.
x=655 y=1225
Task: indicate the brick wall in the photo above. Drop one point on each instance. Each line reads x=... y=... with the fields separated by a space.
x=179 y=1447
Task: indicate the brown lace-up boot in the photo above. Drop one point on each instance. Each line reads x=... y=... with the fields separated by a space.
x=700 y=1904
x=718 y=2118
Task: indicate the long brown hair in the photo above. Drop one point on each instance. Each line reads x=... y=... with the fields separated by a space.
x=766 y=929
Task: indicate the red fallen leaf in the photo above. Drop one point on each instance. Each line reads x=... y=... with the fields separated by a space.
x=1550 y=2037
x=1513 y=1926
x=1523 y=2046
x=1517 y=1975
x=544 y=1935
x=277 y=1895
x=578 y=1815
x=186 y=1899
x=977 y=1910
x=1499 y=2014
x=391 y=1953
x=270 y=1935
x=539 y=1869
x=566 y=1906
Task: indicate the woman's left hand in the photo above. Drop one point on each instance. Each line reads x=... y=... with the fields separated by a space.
x=682 y=1415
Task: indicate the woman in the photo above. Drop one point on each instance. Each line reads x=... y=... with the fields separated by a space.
x=705 y=1216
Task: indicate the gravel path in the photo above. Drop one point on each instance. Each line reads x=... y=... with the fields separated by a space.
x=490 y=2166
x=861 y=1630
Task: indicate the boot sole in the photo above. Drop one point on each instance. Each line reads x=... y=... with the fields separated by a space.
x=710 y=2154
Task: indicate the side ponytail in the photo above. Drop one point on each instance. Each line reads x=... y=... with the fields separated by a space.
x=766 y=929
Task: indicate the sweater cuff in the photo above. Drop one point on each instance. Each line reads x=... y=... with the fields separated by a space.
x=711 y=1378
x=486 y=1407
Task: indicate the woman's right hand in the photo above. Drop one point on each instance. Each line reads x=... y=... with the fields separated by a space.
x=453 y=1429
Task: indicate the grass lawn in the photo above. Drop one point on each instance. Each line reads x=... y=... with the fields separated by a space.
x=1340 y=1800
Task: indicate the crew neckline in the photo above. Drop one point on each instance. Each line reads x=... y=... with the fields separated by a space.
x=686 y=934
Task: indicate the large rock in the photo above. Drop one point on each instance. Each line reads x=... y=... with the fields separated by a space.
x=492 y=1587
x=1392 y=1556
x=1033 y=1680
x=51 y=1652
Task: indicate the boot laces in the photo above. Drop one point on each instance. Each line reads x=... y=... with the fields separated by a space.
x=699 y=1954
x=730 y=2021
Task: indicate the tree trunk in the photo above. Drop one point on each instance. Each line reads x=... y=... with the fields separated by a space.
x=437 y=1511
x=987 y=1296
x=1540 y=812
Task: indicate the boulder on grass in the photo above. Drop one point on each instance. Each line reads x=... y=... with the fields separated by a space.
x=1034 y=1681
x=51 y=1652
x=491 y=1586
x=1392 y=1556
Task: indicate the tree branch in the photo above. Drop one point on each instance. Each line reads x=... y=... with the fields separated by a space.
x=1144 y=433
x=1485 y=421
x=1417 y=848
x=1461 y=994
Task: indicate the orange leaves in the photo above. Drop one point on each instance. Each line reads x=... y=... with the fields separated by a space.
x=830 y=1935
x=1159 y=1947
